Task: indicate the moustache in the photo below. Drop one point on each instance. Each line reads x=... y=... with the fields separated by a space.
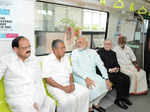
x=28 y=52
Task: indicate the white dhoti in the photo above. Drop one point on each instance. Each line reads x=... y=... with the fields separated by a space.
x=77 y=101
x=22 y=108
x=48 y=105
x=138 y=79
x=25 y=105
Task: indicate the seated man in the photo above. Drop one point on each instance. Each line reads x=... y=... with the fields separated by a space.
x=22 y=80
x=71 y=97
x=128 y=65
x=120 y=81
x=84 y=62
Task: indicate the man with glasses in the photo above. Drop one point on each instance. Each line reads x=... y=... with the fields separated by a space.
x=22 y=80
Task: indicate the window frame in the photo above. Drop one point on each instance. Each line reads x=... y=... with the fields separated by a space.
x=83 y=32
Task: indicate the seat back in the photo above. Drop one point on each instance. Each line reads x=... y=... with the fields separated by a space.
x=46 y=90
x=3 y=104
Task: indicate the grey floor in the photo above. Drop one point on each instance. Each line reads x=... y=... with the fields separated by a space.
x=140 y=103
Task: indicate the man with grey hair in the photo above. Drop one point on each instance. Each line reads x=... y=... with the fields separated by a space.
x=120 y=81
x=71 y=97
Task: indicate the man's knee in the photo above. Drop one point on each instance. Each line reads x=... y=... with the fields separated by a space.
x=23 y=109
x=66 y=101
x=50 y=101
x=82 y=91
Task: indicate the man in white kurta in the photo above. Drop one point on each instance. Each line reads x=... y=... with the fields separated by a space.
x=22 y=80
x=127 y=62
x=71 y=97
x=84 y=62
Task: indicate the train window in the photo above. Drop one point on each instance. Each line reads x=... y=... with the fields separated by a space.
x=96 y=20
x=58 y=21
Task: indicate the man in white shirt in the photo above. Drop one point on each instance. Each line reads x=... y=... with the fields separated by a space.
x=22 y=80
x=128 y=65
x=58 y=73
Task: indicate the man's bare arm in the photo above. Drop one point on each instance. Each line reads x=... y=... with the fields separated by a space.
x=53 y=83
x=136 y=66
x=71 y=79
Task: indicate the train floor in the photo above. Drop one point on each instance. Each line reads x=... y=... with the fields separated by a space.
x=140 y=103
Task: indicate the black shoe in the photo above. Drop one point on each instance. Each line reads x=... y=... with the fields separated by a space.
x=121 y=104
x=100 y=109
x=91 y=111
x=148 y=84
x=127 y=101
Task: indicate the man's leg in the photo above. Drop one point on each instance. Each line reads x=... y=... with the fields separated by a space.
x=121 y=82
x=132 y=73
x=66 y=102
x=125 y=80
x=48 y=105
x=96 y=105
x=82 y=95
x=147 y=77
x=25 y=108
x=98 y=92
x=147 y=70
x=122 y=85
x=141 y=82
x=21 y=104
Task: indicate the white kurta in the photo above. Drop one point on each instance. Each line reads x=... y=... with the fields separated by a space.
x=60 y=71
x=84 y=65
x=23 y=84
x=138 y=79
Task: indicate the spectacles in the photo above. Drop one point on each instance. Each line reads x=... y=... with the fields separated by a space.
x=24 y=48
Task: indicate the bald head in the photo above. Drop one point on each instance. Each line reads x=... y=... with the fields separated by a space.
x=107 y=45
x=82 y=43
x=122 y=41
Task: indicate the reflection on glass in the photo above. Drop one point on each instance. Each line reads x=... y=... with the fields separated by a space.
x=48 y=17
x=39 y=17
x=54 y=21
x=60 y=13
x=44 y=41
x=94 y=20
x=98 y=41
